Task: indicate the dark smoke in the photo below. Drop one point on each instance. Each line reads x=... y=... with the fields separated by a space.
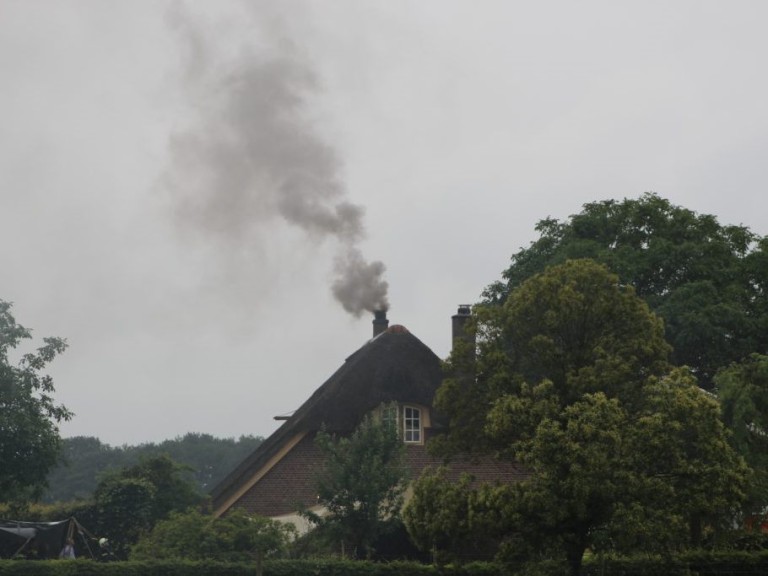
x=358 y=285
x=252 y=155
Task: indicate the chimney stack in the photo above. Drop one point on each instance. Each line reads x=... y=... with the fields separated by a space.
x=459 y=323
x=380 y=322
x=464 y=345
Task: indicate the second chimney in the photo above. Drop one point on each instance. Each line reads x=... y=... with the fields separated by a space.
x=459 y=321
x=459 y=326
x=380 y=322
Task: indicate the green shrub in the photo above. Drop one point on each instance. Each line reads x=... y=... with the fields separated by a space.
x=700 y=563
x=689 y=564
x=235 y=537
x=727 y=563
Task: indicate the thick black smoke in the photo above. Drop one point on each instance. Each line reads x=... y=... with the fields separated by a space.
x=251 y=155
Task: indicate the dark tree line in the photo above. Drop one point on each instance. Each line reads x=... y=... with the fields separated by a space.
x=85 y=459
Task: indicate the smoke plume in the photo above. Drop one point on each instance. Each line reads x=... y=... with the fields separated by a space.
x=252 y=155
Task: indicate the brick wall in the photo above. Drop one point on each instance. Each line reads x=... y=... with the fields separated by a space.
x=290 y=482
x=287 y=485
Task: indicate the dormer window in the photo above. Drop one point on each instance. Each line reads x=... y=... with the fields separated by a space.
x=411 y=425
x=407 y=420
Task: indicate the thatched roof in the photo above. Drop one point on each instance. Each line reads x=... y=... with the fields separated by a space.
x=393 y=366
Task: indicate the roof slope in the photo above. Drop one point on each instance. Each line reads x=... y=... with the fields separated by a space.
x=394 y=366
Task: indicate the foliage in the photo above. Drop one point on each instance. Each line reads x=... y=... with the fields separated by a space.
x=441 y=516
x=706 y=280
x=570 y=331
x=209 y=568
x=674 y=470
x=392 y=544
x=131 y=501
x=124 y=508
x=697 y=562
x=84 y=459
x=743 y=392
x=702 y=563
x=571 y=380
x=29 y=415
x=75 y=477
x=360 y=485
x=235 y=537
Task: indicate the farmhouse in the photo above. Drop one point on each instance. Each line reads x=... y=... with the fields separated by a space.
x=392 y=368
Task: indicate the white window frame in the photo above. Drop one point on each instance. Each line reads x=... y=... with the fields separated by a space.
x=407 y=419
x=413 y=425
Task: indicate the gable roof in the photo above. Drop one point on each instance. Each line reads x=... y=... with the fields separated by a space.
x=393 y=366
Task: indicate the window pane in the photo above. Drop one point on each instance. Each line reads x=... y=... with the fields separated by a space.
x=412 y=424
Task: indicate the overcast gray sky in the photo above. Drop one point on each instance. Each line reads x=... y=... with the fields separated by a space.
x=192 y=192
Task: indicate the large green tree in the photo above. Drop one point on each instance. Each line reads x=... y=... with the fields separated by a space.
x=29 y=414
x=743 y=392
x=708 y=281
x=571 y=379
x=446 y=517
x=130 y=501
x=360 y=485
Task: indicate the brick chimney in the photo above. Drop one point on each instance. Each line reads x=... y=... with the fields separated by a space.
x=380 y=322
x=464 y=347
x=459 y=323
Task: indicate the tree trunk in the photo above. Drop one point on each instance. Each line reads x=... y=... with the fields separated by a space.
x=574 y=553
x=695 y=528
x=574 y=561
x=259 y=563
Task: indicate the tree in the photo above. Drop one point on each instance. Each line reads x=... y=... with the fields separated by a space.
x=571 y=379
x=29 y=415
x=192 y=535
x=84 y=459
x=208 y=458
x=742 y=389
x=360 y=485
x=707 y=281
x=124 y=508
x=442 y=516
x=131 y=501
x=574 y=327
x=690 y=473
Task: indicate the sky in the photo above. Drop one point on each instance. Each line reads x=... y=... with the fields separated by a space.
x=206 y=199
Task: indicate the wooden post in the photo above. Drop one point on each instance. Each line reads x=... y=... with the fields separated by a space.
x=259 y=563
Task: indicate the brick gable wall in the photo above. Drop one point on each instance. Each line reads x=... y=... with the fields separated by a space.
x=289 y=483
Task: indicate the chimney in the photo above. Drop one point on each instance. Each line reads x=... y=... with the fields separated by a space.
x=464 y=346
x=380 y=322
x=459 y=323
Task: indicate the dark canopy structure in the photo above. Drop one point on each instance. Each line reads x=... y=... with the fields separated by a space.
x=39 y=540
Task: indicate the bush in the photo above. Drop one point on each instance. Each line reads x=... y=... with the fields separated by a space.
x=698 y=563
x=701 y=563
x=235 y=537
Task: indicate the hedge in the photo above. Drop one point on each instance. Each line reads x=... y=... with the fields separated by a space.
x=688 y=564
x=685 y=564
x=271 y=568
